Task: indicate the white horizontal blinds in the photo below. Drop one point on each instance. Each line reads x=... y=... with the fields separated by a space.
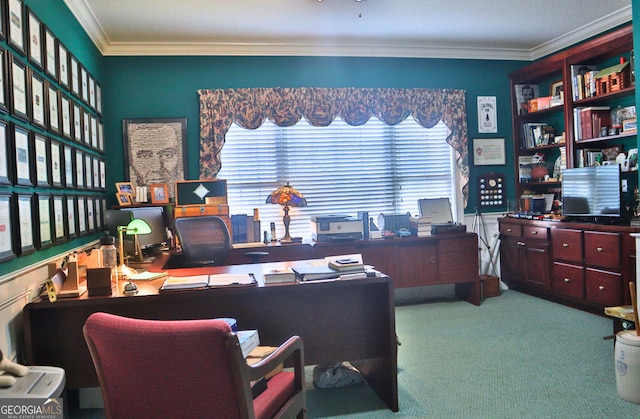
x=340 y=169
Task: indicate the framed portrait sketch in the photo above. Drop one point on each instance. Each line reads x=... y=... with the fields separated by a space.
x=155 y=151
x=7 y=247
x=35 y=38
x=16 y=25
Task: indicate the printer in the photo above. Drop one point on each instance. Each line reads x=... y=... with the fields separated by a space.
x=326 y=228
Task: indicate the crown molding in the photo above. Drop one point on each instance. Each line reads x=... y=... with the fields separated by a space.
x=415 y=49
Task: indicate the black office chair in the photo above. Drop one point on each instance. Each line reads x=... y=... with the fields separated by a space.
x=204 y=240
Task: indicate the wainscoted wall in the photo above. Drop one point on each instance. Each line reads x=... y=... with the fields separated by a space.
x=17 y=289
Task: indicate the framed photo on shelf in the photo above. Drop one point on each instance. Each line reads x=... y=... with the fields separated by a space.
x=63 y=65
x=51 y=65
x=41 y=159
x=20 y=95
x=56 y=163
x=54 y=109
x=124 y=199
x=489 y=151
x=68 y=166
x=35 y=39
x=38 y=112
x=25 y=223
x=3 y=80
x=5 y=172
x=58 y=219
x=154 y=144
x=71 y=216
x=124 y=188
x=45 y=230
x=22 y=146
x=159 y=193
x=16 y=25
x=7 y=247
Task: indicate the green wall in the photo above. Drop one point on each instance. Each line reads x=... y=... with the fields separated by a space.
x=156 y=87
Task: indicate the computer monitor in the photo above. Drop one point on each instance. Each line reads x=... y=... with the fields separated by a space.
x=115 y=218
x=154 y=216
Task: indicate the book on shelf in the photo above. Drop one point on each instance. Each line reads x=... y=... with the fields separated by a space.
x=206 y=281
x=590 y=120
x=583 y=78
x=279 y=275
x=524 y=168
x=535 y=134
x=524 y=93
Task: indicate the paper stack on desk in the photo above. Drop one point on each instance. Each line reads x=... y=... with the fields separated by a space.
x=206 y=281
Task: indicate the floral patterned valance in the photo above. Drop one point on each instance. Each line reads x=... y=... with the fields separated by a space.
x=320 y=106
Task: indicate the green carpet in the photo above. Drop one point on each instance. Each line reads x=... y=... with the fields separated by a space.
x=515 y=356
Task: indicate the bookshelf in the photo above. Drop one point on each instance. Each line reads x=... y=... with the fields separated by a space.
x=547 y=131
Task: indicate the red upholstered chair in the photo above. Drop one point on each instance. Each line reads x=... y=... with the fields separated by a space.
x=188 y=369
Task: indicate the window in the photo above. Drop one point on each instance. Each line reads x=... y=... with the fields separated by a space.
x=340 y=169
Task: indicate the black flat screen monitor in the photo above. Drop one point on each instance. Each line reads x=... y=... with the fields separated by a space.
x=154 y=216
x=592 y=192
x=115 y=218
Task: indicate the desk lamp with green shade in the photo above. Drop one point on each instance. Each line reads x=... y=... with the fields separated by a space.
x=287 y=196
x=135 y=227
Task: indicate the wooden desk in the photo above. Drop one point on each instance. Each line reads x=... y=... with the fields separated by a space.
x=338 y=321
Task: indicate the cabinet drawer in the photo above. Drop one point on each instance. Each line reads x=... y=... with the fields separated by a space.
x=602 y=249
x=541 y=233
x=510 y=230
x=568 y=280
x=603 y=287
x=567 y=244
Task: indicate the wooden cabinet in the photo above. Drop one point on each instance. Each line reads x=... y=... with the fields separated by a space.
x=410 y=261
x=591 y=264
x=565 y=144
x=524 y=255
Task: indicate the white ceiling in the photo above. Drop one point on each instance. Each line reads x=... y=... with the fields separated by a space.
x=496 y=29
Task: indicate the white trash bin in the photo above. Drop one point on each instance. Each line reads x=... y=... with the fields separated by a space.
x=627 y=364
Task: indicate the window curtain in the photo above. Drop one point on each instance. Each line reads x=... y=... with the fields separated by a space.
x=320 y=106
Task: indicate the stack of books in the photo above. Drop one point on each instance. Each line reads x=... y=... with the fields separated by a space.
x=420 y=226
x=277 y=276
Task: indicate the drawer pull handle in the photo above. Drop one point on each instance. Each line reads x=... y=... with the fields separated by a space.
x=533 y=233
x=601 y=287
x=567 y=280
x=520 y=243
x=508 y=230
x=565 y=244
x=599 y=249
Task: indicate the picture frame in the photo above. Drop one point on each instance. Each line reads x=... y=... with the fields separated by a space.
x=4 y=77
x=38 y=113
x=63 y=65
x=524 y=93
x=125 y=188
x=22 y=156
x=45 y=226
x=7 y=244
x=34 y=29
x=100 y=136
x=92 y=91
x=68 y=158
x=86 y=130
x=556 y=89
x=19 y=89
x=25 y=224
x=75 y=75
x=124 y=199
x=79 y=166
x=98 y=98
x=65 y=115
x=5 y=159
x=487 y=114
x=93 y=130
x=91 y=222
x=41 y=159
x=155 y=151
x=56 y=163
x=82 y=215
x=15 y=26
x=95 y=166
x=97 y=204
x=489 y=151
x=88 y=174
x=71 y=217
x=84 y=84
x=3 y=20
x=51 y=65
x=59 y=217
x=103 y=175
x=159 y=193
x=77 y=122
x=53 y=104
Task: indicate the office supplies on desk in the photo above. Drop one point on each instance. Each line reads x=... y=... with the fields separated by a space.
x=206 y=281
x=314 y=273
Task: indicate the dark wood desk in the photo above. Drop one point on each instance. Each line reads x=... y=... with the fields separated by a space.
x=338 y=321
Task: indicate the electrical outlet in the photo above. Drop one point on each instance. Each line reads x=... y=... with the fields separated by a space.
x=625 y=185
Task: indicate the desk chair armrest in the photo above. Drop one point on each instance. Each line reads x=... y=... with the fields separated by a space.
x=293 y=349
